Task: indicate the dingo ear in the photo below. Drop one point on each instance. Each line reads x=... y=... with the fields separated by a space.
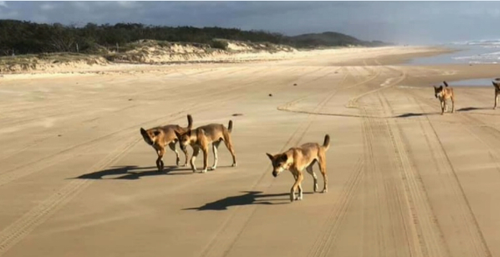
x=143 y=132
x=178 y=135
x=284 y=157
x=270 y=156
x=156 y=132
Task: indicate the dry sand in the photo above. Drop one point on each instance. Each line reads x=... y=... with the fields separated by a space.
x=77 y=179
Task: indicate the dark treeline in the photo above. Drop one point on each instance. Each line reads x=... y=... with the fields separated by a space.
x=22 y=37
x=31 y=38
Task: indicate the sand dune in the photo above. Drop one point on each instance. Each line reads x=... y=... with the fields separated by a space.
x=77 y=179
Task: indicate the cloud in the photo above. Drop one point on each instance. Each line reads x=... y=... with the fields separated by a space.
x=3 y=4
x=127 y=4
x=47 y=7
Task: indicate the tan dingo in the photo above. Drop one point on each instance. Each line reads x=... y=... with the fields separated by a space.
x=160 y=137
x=296 y=159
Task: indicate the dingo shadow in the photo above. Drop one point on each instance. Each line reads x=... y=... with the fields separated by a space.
x=132 y=172
x=411 y=114
x=248 y=198
x=468 y=109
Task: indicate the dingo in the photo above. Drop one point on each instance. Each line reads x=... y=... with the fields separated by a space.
x=160 y=137
x=296 y=159
x=201 y=137
x=496 y=84
x=444 y=93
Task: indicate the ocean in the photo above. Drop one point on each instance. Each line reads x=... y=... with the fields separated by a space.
x=471 y=52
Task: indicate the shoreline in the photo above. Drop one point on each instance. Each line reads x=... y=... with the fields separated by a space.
x=452 y=73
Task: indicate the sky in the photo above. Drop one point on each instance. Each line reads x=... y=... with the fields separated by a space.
x=397 y=22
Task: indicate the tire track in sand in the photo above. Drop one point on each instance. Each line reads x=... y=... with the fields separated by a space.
x=425 y=229
x=466 y=239
x=224 y=239
x=23 y=226
x=326 y=241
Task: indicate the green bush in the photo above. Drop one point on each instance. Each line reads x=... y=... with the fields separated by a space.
x=219 y=44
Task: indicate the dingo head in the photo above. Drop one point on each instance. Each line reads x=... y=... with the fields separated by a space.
x=150 y=136
x=186 y=138
x=496 y=84
x=438 y=91
x=280 y=163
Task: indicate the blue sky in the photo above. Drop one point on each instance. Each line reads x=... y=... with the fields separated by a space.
x=399 y=22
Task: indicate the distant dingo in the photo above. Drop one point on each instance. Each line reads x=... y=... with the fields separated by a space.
x=443 y=94
x=496 y=84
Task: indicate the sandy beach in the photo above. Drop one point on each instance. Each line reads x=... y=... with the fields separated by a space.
x=77 y=179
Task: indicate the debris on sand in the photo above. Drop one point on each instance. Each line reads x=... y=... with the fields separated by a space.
x=295 y=84
x=237 y=114
x=130 y=99
x=270 y=94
